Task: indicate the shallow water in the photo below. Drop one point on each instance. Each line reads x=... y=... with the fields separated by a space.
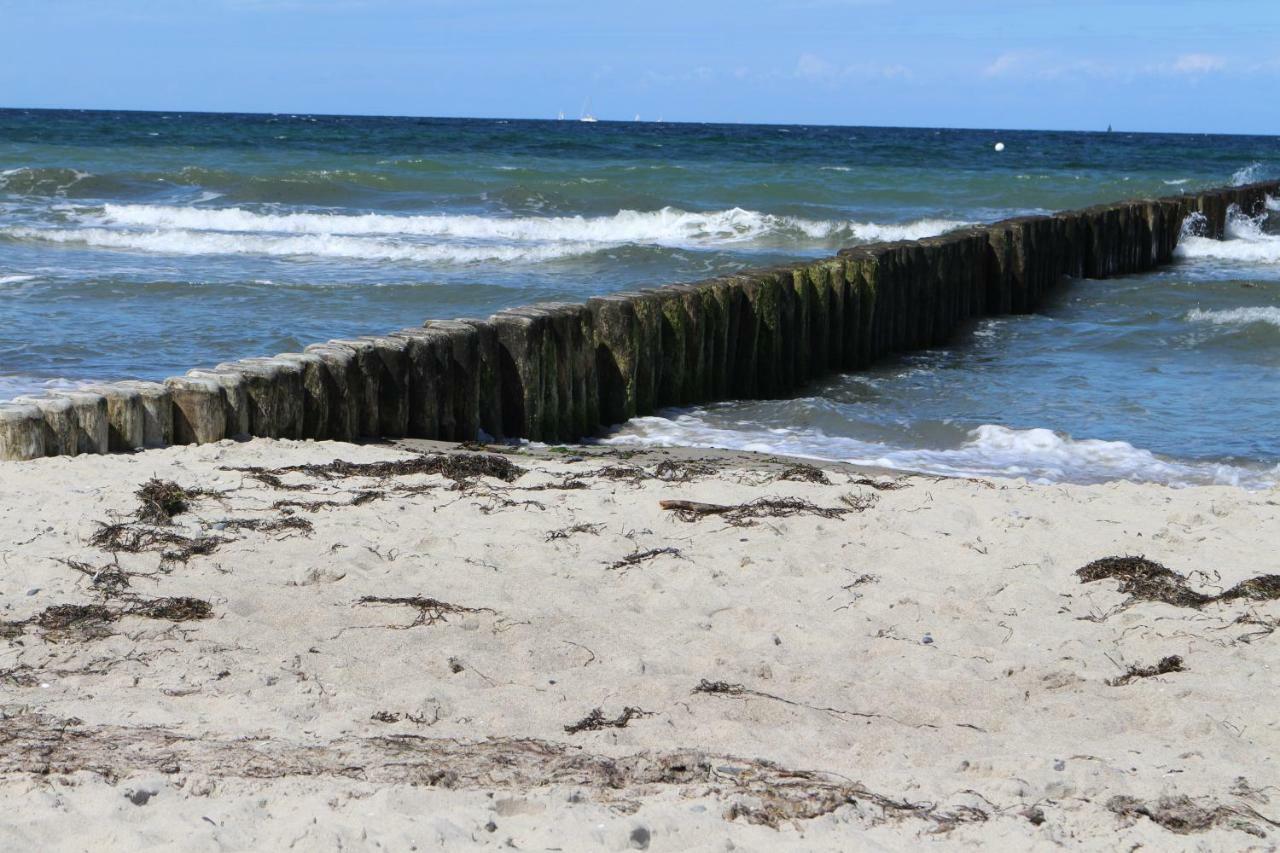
x=143 y=244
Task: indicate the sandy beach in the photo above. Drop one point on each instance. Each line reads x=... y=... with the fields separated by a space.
x=413 y=651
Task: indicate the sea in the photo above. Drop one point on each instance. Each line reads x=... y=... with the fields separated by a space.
x=140 y=245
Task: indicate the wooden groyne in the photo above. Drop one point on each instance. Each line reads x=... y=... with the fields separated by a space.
x=560 y=371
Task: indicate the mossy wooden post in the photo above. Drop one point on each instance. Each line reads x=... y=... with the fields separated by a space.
x=93 y=429
x=392 y=362
x=580 y=393
x=724 y=294
x=126 y=419
x=430 y=409
x=157 y=412
x=832 y=289
x=762 y=289
x=275 y=395
x=543 y=351
x=617 y=352
x=59 y=428
x=684 y=301
x=199 y=410
x=462 y=347
x=22 y=431
x=744 y=370
x=370 y=369
x=489 y=376
x=671 y=379
x=317 y=394
x=520 y=351
x=235 y=397
x=346 y=383
x=649 y=356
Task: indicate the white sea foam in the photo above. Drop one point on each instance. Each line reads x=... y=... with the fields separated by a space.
x=1035 y=454
x=1237 y=316
x=14 y=279
x=1245 y=241
x=1250 y=174
x=19 y=385
x=1177 y=183
x=668 y=226
x=185 y=242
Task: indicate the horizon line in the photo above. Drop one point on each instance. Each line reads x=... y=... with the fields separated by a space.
x=600 y=120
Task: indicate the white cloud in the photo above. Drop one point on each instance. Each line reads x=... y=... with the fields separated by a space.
x=1009 y=63
x=1198 y=63
x=815 y=68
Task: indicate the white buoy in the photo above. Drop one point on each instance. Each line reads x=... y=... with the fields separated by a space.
x=999 y=146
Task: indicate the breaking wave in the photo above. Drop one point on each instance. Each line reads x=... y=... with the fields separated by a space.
x=1269 y=315
x=1039 y=455
x=1245 y=240
x=185 y=242
x=445 y=238
x=666 y=226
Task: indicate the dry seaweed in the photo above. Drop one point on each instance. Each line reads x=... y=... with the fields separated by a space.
x=859 y=503
x=161 y=500
x=110 y=581
x=641 y=556
x=880 y=485
x=1146 y=580
x=68 y=617
x=43 y=746
x=596 y=720
x=175 y=609
x=1172 y=663
x=173 y=547
x=1261 y=588
x=430 y=610
x=1183 y=816
x=670 y=471
x=91 y=621
x=742 y=515
x=457 y=467
x=401 y=716
x=803 y=473
x=268 y=525
x=566 y=532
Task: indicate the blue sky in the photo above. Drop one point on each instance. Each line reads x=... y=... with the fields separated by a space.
x=1136 y=64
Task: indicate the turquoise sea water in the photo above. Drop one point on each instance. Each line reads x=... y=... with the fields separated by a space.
x=143 y=244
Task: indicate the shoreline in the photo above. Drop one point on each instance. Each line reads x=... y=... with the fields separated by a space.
x=392 y=655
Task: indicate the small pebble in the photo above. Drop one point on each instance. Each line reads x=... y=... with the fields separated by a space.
x=640 y=838
x=139 y=798
x=1059 y=765
x=928 y=640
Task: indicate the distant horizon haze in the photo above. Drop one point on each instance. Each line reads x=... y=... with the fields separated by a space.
x=1139 y=66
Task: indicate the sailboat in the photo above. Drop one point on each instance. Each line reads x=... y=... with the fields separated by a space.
x=586 y=112
x=561 y=116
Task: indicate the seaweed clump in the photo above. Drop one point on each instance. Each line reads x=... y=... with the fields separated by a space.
x=1146 y=580
x=596 y=720
x=745 y=515
x=161 y=500
x=460 y=468
x=1172 y=663
x=430 y=610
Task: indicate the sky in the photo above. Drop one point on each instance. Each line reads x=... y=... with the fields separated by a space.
x=1141 y=65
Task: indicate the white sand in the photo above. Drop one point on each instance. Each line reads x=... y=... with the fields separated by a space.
x=935 y=650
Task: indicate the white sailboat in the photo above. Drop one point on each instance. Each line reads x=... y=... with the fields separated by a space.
x=561 y=116
x=586 y=112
